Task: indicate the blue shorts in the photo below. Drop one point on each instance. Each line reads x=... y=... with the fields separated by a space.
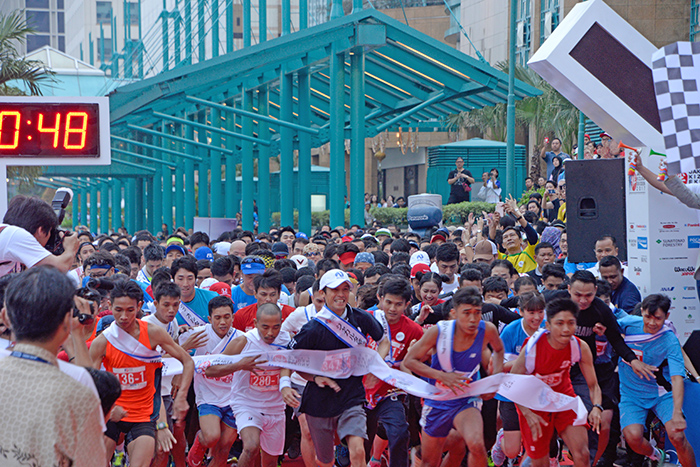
x=634 y=411
x=224 y=413
x=437 y=422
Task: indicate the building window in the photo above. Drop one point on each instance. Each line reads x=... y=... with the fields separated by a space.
x=134 y=13
x=61 y=20
x=62 y=43
x=549 y=18
x=37 y=41
x=108 y=50
x=694 y=29
x=37 y=4
x=59 y=4
x=40 y=21
x=104 y=12
x=523 y=31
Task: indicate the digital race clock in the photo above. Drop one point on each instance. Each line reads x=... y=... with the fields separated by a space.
x=49 y=129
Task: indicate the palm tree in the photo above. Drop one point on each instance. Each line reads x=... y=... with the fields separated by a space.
x=549 y=114
x=14 y=68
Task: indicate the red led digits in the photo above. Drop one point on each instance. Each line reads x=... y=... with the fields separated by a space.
x=15 y=138
x=82 y=131
x=53 y=130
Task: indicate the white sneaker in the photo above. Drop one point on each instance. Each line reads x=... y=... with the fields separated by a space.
x=553 y=462
x=497 y=454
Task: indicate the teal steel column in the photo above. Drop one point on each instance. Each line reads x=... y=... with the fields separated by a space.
x=357 y=125
x=247 y=32
x=229 y=27
x=262 y=22
x=188 y=31
x=201 y=31
x=75 y=205
x=203 y=176
x=581 y=133
x=217 y=203
x=286 y=17
x=230 y=207
x=337 y=136
x=263 y=163
x=140 y=204
x=510 y=108
x=189 y=191
x=214 y=28
x=303 y=14
x=148 y=204
x=93 y=208
x=336 y=9
x=304 y=171
x=104 y=207
x=157 y=188
x=247 y=168
x=84 y=203
x=179 y=197
x=287 y=149
x=130 y=205
x=164 y=17
x=167 y=176
x=116 y=204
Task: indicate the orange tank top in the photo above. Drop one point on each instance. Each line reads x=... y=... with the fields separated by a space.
x=136 y=377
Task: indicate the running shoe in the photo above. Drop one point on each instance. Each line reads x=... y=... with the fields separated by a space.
x=342 y=456
x=374 y=463
x=553 y=462
x=497 y=454
x=195 y=457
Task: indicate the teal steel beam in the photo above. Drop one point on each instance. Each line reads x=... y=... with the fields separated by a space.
x=229 y=27
x=286 y=150
x=84 y=204
x=217 y=203
x=93 y=209
x=286 y=17
x=264 y=165
x=188 y=31
x=129 y=205
x=211 y=128
x=131 y=164
x=139 y=211
x=150 y=146
x=337 y=135
x=252 y=115
x=76 y=204
x=167 y=176
x=164 y=18
x=214 y=28
x=247 y=173
x=357 y=124
x=116 y=204
x=247 y=29
x=202 y=34
x=145 y=158
x=230 y=207
x=104 y=208
x=303 y=14
x=409 y=63
x=304 y=171
x=510 y=107
x=188 y=201
x=262 y=21
x=436 y=98
x=156 y=189
x=180 y=139
x=203 y=185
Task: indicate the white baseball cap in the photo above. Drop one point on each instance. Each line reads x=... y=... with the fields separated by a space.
x=208 y=282
x=419 y=257
x=300 y=261
x=222 y=248
x=334 y=278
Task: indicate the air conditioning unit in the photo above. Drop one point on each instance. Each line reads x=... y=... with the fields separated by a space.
x=547 y=24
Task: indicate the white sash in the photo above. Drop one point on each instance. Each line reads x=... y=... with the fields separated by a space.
x=446 y=331
x=358 y=361
x=310 y=308
x=141 y=277
x=231 y=334
x=190 y=317
x=125 y=343
x=531 y=350
x=343 y=330
x=381 y=317
x=280 y=343
x=644 y=338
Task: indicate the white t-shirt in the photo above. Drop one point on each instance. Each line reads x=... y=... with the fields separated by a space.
x=293 y=324
x=449 y=287
x=166 y=382
x=261 y=391
x=75 y=276
x=17 y=247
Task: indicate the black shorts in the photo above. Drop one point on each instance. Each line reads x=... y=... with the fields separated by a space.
x=132 y=430
x=509 y=416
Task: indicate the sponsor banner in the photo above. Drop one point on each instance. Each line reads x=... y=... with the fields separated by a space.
x=642 y=243
x=693 y=241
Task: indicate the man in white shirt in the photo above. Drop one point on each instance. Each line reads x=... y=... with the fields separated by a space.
x=26 y=228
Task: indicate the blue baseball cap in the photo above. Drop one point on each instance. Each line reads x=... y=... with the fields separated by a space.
x=204 y=252
x=252 y=265
x=364 y=257
x=175 y=247
x=302 y=235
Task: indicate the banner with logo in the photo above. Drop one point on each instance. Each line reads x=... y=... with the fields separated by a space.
x=663 y=243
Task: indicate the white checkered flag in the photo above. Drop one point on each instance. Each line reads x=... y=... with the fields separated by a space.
x=676 y=72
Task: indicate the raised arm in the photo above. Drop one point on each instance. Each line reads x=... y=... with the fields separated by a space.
x=588 y=372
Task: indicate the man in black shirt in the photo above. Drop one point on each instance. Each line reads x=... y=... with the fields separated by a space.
x=337 y=405
x=460 y=181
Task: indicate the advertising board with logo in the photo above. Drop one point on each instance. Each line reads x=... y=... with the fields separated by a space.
x=667 y=238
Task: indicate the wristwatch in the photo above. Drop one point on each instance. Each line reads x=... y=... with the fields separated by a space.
x=161 y=426
x=598 y=406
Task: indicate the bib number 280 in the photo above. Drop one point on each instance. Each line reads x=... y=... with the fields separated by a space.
x=265 y=381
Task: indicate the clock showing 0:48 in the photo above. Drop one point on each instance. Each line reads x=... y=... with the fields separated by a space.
x=49 y=130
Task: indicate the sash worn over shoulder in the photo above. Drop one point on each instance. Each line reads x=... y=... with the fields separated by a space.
x=223 y=342
x=446 y=330
x=190 y=317
x=531 y=350
x=280 y=343
x=125 y=343
x=343 y=330
x=644 y=338
x=381 y=317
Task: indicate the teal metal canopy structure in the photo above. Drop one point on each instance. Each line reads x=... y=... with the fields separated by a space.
x=347 y=79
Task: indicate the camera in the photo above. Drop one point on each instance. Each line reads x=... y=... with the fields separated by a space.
x=60 y=202
x=95 y=289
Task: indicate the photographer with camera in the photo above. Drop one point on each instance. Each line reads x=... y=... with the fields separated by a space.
x=29 y=235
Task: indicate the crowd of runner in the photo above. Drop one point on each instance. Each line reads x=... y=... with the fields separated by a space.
x=453 y=307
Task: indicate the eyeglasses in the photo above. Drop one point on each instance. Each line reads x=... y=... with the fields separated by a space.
x=312 y=253
x=562 y=187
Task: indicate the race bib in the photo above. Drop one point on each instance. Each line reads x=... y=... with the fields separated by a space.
x=268 y=380
x=131 y=379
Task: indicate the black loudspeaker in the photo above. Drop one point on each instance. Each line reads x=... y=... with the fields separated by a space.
x=692 y=348
x=595 y=206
